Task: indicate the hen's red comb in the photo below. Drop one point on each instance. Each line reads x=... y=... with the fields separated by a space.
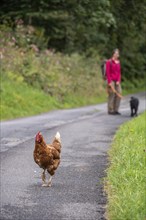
x=38 y=135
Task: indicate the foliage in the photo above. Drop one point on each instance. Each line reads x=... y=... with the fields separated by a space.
x=85 y=26
x=65 y=81
x=69 y=26
x=129 y=36
x=56 y=46
x=125 y=182
x=54 y=73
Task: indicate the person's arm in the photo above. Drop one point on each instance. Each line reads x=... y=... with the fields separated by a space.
x=108 y=71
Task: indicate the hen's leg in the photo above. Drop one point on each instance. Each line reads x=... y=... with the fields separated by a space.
x=50 y=181
x=44 y=178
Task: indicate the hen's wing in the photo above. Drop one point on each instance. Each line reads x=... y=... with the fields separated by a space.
x=43 y=157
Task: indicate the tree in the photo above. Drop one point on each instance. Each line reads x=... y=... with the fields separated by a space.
x=129 y=36
x=70 y=25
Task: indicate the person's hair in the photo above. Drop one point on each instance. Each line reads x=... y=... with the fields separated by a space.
x=115 y=50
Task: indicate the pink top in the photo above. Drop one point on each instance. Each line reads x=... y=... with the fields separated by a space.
x=113 y=71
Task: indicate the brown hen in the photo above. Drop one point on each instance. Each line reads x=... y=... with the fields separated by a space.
x=47 y=156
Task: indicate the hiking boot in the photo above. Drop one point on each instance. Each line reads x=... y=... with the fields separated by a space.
x=111 y=113
x=117 y=113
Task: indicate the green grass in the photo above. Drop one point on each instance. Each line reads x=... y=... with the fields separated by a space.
x=125 y=182
x=20 y=100
x=135 y=86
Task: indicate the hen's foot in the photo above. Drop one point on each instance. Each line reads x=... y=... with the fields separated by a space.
x=44 y=185
x=49 y=184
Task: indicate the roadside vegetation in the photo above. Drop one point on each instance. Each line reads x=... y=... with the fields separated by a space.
x=52 y=51
x=125 y=182
x=34 y=81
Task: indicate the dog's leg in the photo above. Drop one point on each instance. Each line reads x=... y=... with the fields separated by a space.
x=136 y=109
x=131 y=112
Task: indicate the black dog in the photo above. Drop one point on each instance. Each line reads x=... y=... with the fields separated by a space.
x=134 y=103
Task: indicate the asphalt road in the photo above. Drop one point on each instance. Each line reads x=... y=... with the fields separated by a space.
x=77 y=190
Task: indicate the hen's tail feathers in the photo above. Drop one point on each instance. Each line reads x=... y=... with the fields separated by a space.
x=57 y=136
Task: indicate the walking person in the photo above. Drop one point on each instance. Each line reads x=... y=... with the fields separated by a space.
x=113 y=75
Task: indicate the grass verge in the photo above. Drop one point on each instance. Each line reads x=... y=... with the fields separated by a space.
x=20 y=100
x=125 y=182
